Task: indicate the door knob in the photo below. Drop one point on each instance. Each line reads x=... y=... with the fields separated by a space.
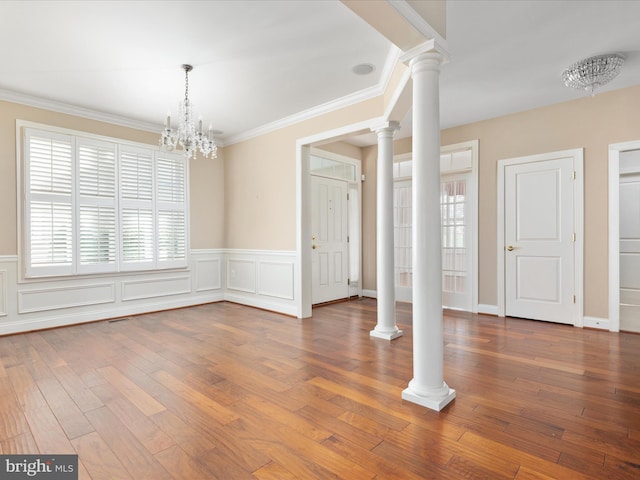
x=511 y=248
x=315 y=246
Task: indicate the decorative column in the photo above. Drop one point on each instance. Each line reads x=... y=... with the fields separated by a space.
x=385 y=284
x=427 y=388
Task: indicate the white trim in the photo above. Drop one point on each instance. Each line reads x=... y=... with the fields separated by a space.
x=578 y=166
x=487 y=309
x=614 y=230
x=416 y=20
x=62 y=302
x=3 y=293
x=155 y=291
x=474 y=146
x=369 y=293
x=52 y=105
x=599 y=323
x=354 y=289
x=199 y=267
x=303 y=209
x=54 y=302
x=72 y=318
x=366 y=94
x=333 y=105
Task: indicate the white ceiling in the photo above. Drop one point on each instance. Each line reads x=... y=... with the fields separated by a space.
x=257 y=62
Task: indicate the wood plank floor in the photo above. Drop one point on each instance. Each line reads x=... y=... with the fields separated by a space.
x=223 y=391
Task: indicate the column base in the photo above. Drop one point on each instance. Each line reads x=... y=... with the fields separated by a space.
x=390 y=335
x=435 y=402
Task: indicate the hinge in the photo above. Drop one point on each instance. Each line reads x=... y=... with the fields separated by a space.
x=573 y=237
x=349 y=281
x=574 y=299
x=347 y=197
x=347 y=238
x=574 y=175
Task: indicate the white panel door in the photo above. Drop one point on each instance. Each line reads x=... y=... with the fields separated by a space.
x=329 y=227
x=630 y=252
x=539 y=240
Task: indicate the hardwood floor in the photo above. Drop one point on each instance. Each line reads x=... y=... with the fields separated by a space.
x=223 y=391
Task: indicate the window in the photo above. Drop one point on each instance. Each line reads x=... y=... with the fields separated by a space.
x=456 y=204
x=95 y=205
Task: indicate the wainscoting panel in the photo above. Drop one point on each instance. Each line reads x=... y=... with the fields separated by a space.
x=263 y=279
x=241 y=275
x=258 y=278
x=276 y=279
x=3 y=293
x=54 y=302
x=208 y=274
x=157 y=287
x=54 y=298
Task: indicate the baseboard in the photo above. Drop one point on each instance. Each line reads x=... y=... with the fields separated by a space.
x=595 y=322
x=262 y=303
x=65 y=319
x=369 y=293
x=487 y=309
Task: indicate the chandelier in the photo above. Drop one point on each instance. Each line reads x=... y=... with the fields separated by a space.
x=186 y=135
x=593 y=72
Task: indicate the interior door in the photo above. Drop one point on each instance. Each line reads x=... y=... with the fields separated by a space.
x=539 y=240
x=329 y=226
x=630 y=252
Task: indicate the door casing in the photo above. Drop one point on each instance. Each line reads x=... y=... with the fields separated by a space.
x=614 y=232
x=578 y=165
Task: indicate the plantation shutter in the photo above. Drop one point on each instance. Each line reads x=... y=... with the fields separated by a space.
x=137 y=209
x=171 y=210
x=49 y=203
x=96 y=206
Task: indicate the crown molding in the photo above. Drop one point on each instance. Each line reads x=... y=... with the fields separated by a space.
x=60 y=107
x=376 y=90
x=393 y=58
x=417 y=21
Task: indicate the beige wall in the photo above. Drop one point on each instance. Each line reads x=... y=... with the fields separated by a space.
x=260 y=180
x=207 y=205
x=591 y=123
x=342 y=148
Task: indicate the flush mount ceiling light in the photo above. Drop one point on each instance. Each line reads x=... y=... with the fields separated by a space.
x=187 y=136
x=363 y=69
x=593 y=72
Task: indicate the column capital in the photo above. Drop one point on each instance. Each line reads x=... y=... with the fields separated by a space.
x=385 y=126
x=430 y=46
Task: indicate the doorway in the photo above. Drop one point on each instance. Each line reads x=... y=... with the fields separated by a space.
x=540 y=237
x=335 y=226
x=459 y=210
x=624 y=237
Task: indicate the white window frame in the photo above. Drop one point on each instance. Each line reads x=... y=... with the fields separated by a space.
x=75 y=270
